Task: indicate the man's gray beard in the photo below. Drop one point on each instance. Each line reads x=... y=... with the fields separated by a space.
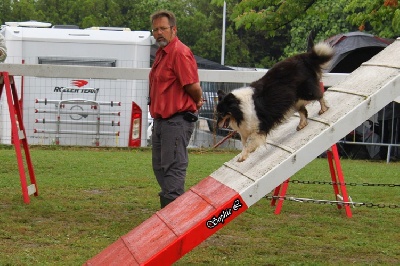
x=162 y=43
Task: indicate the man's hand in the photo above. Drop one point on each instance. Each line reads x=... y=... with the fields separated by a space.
x=200 y=103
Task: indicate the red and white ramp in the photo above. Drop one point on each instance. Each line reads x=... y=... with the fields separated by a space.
x=218 y=199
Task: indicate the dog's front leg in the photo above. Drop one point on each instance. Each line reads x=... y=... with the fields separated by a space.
x=253 y=142
x=245 y=153
x=303 y=117
x=324 y=107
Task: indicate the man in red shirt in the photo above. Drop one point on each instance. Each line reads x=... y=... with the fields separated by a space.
x=175 y=96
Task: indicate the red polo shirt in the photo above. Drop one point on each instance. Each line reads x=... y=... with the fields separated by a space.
x=173 y=68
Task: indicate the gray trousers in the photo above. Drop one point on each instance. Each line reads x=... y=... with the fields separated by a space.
x=170 y=138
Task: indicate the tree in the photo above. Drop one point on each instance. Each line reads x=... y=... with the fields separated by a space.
x=265 y=41
x=299 y=17
x=258 y=32
x=380 y=17
x=324 y=17
x=23 y=10
x=6 y=10
x=268 y=16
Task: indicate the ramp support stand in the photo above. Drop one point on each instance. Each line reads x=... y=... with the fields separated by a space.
x=339 y=186
x=18 y=135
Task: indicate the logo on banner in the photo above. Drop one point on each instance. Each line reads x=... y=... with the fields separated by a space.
x=78 y=85
x=79 y=82
x=224 y=214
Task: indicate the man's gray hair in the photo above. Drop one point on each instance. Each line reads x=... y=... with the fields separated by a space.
x=164 y=13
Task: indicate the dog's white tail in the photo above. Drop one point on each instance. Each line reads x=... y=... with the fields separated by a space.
x=323 y=49
x=323 y=53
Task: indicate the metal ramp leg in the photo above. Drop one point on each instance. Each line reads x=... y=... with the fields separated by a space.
x=338 y=184
x=284 y=187
x=334 y=164
x=18 y=136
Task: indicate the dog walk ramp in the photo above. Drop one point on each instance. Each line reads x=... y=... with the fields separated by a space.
x=205 y=208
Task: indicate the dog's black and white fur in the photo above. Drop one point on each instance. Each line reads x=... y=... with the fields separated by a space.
x=287 y=87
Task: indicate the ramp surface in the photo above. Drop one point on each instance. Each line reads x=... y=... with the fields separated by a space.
x=218 y=199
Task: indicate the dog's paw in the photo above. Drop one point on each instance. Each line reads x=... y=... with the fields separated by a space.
x=323 y=110
x=242 y=158
x=301 y=126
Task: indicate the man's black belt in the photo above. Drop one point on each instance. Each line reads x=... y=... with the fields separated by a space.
x=188 y=116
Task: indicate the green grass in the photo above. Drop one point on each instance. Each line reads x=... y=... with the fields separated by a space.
x=89 y=197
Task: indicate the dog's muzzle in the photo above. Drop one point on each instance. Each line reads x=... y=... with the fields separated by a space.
x=223 y=122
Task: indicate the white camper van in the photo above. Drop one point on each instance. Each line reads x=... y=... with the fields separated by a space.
x=69 y=111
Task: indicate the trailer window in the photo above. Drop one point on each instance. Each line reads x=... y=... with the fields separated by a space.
x=77 y=61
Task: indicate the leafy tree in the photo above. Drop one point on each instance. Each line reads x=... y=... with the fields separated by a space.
x=267 y=16
x=200 y=27
x=380 y=17
x=324 y=17
x=264 y=42
x=298 y=17
x=6 y=10
x=258 y=32
x=138 y=12
x=23 y=10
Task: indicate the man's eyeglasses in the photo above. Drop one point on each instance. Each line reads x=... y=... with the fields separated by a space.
x=162 y=29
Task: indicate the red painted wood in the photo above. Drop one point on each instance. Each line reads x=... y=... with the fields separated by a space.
x=178 y=228
x=341 y=180
x=333 y=176
x=282 y=194
x=17 y=125
x=115 y=254
x=336 y=173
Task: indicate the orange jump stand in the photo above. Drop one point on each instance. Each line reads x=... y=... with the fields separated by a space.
x=339 y=188
x=18 y=135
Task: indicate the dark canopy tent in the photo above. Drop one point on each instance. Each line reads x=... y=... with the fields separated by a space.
x=354 y=48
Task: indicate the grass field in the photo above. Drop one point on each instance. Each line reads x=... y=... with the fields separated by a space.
x=89 y=197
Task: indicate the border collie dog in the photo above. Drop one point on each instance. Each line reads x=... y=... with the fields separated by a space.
x=286 y=88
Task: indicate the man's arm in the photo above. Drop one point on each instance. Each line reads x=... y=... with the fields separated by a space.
x=195 y=91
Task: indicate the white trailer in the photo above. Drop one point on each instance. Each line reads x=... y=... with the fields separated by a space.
x=71 y=111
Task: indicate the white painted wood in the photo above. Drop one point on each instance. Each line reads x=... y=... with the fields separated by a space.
x=82 y=72
x=78 y=72
x=31 y=189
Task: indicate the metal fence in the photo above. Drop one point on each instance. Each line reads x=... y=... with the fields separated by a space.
x=377 y=138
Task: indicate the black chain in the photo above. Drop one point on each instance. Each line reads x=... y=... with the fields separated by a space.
x=339 y=184
x=335 y=202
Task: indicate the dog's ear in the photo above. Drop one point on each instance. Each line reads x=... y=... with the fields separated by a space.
x=310 y=40
x=221 y=94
